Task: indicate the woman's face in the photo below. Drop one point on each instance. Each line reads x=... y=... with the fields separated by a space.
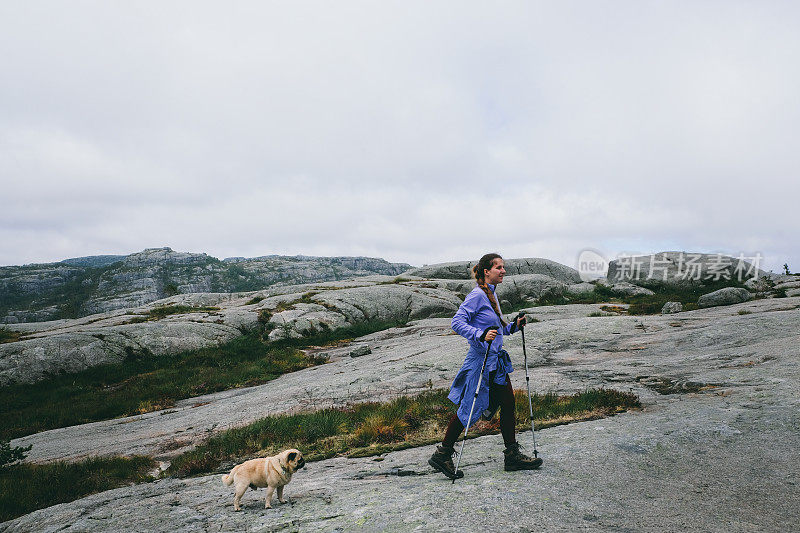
x=495 y=274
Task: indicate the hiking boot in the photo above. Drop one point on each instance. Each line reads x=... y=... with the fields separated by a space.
x=442 y=460
x=516 y=460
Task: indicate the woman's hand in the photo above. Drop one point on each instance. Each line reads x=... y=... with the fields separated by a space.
x=521 y=321
x=489 y=334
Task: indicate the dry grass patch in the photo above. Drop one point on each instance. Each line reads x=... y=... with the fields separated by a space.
x=368 y=429
x=616 y=309
x=7 y=335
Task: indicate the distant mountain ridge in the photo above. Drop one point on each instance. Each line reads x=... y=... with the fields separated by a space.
x=93 y=261
x=94 y=284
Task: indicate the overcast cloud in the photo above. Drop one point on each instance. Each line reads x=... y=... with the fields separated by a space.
x=414 y=131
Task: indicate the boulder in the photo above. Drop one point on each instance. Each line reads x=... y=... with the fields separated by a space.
x=360 y=351
x=629 y=289
x=726 y=296
x=580 y=289
x=671 y=307
x=623 y=288
x=528 y=288
x=452 y=270
x=531 y=265
x=33 y=359
x=680 y=269
x=788 y=284
x=775 y=278
x=382 y=303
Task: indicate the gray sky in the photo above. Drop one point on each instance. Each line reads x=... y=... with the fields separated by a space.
x=418 y=132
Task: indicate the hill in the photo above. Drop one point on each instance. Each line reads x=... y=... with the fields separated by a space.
x=83 y=286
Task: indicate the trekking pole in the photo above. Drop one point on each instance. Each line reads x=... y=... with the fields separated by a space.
x=466 y=429
x=528 y=383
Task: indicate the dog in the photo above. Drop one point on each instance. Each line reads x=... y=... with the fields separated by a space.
x=271 y=472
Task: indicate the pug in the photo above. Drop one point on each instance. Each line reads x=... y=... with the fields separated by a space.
x=271 y=472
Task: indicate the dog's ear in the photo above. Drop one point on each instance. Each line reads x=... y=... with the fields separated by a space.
x=291 y=457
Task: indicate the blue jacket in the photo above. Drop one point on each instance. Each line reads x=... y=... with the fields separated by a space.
x=473 y=316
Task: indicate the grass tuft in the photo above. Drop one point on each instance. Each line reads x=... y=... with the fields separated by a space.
x=26 y=487
x=143 y=382
x=324 y=335
x=366 y=429
x=7 y=335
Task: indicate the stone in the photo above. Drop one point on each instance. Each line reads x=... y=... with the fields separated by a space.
x=531 y=265
x=34 y=358
x=528 y=287
x=580 y=289
x=726 y=296
x=671 y=307
x=380 y=303
x=678 y=269
x=624 y=288
x=788 y=284
x=451 y=270
x=360 y=351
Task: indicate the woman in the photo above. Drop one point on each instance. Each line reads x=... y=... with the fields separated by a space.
x=480 y=322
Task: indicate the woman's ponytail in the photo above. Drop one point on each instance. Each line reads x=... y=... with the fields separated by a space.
x=486 y=263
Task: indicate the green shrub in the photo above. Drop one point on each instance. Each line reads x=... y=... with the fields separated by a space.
x=10 y=455
x=143 y=382
x=552 y=296
x=26 y=487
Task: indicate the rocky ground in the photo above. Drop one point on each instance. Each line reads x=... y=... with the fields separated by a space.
x=713 y=449
x=209 y=319
x=90 y=285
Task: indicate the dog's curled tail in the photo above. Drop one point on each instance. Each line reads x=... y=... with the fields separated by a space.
x=227 y=479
